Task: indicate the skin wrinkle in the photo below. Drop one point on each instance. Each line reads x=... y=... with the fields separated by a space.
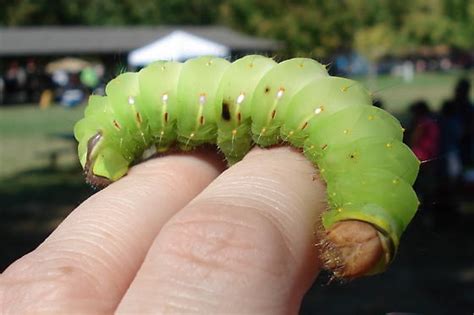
x=170 y=169
x=35 y=260
x=112 y=251
x=259 y=190
x=240 y=189
x=114 y=227
x=258 y=210
x=214 y=237
x=51 y=287
x=213 y=296
x=109 y=262
x=204 y=274
x=260 y=200
x=276 y=233
x=195 y=235
x=252 y=181
x=217 y=264
x=72 y=261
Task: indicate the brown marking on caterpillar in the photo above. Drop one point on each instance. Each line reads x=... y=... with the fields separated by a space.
x=324 y=147
x=239 y=117
x=91 y=178
x=274 y=113
x=267 y=89
x=225 y=114
x=201 y=120
x=138 y=117
x=305 y=125
x=116 y=124
x=165 y=117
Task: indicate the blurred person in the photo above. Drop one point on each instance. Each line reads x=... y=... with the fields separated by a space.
x=32 y=82
x=465 y=111
x=15 y=80
x=451 y=132
x=423 y=138
x=450 y=163
x=89 y=79
x=46 y=88
x=74 y=92
x=2 y=89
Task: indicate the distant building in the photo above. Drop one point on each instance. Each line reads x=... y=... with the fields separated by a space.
x=112 y=45
x=26 y=53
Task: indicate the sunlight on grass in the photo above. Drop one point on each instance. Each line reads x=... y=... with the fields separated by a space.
x=397 y=95
x=28 y=135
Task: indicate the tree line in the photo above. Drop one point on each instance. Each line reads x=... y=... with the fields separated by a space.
x=316 y=28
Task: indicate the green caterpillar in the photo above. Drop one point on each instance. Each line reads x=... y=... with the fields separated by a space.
x=357 y=147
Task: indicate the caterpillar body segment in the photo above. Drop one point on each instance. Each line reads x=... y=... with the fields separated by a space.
x=197 y=89
x=161 y=98
x=233 y=105
x=273 y=93
x=318 y=99
x=357 y=147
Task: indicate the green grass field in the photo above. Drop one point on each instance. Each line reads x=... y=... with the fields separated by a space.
x=28 y=135
x=397 y=95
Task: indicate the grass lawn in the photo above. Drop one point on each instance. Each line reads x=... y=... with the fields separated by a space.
x=397 y=95
x=28 y=135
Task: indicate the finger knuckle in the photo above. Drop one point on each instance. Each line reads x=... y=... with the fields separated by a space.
x=219 y=239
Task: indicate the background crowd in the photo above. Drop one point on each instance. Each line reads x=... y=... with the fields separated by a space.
x=444 y=142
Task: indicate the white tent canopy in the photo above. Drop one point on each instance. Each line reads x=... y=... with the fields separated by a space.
x=178 y=46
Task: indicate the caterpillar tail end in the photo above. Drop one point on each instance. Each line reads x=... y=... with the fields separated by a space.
x=352 y=248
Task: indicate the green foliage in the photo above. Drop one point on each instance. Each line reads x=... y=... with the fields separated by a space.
x=108 y=12
x=315 y=28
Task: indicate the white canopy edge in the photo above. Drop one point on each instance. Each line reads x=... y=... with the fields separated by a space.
x=178 y=46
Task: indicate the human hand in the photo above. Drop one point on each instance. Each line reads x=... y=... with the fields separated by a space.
x=176 y=236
